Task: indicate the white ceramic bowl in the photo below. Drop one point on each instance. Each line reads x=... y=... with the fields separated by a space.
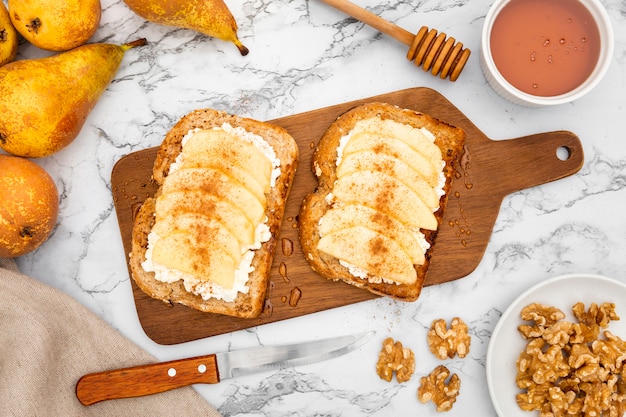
x=508 y=91
x=506 y=343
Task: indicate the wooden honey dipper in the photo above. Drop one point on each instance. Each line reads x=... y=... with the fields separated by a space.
x=428 y=48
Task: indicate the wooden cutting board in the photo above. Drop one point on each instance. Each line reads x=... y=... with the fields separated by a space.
x=489 y=170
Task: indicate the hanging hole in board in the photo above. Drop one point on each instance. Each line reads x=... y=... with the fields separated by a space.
x=563 y=153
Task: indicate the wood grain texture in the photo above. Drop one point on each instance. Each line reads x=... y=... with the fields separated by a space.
x=488 y=171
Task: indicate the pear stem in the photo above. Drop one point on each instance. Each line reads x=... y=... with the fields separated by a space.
x=138 y=42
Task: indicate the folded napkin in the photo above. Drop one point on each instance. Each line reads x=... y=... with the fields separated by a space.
x=49 y=340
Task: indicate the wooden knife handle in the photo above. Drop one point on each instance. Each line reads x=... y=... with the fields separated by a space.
x=147 y=379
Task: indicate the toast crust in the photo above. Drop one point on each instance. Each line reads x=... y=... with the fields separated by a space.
x=448 y=138
x=248 y=305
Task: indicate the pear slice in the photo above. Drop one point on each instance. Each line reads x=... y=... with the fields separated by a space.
x=387 y=164
x=219 y=144
x=351 y=215
x=235 y=220
x=397 y=149
x=387 y=194
x=219 y=184
x=203 y=228
x=238 y=175
x=371 y=251
x=414 y=137
x=204 y=260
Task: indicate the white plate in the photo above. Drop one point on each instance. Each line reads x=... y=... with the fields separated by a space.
x=506 y=342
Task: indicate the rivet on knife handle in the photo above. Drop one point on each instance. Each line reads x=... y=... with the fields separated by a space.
x=147 y=379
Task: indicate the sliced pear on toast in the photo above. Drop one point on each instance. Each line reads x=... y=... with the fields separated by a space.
x=387 y=164
x=351 y=215
x=371 y=251
x=204 y=229
x=238 y=174
x=396 y=148
x=220 y=144
x=216 y=182
x=204 y=260
x=235 y=220
x=414 y=137
x=387 y=194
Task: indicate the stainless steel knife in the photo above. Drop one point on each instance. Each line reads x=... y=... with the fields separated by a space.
x=209 y=369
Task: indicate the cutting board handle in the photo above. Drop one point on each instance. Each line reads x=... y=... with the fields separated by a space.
x=535 y=159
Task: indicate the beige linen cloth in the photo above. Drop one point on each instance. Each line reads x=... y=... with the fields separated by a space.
x=48 y=341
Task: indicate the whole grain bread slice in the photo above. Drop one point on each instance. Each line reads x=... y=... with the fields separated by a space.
x=448 y=138
x=248 y=305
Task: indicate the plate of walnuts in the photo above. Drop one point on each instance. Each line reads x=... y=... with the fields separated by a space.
x=560 y=350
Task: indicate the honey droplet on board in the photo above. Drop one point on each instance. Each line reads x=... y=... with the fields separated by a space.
x=295 y=296
x=287 y=247
x=282 y=270
x=283 y=299
x=268 y=307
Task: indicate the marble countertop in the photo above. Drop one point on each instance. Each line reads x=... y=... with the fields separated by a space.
x=305 y=55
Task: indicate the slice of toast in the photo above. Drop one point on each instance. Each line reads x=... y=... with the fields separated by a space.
x=247 y=305
x=450 y=141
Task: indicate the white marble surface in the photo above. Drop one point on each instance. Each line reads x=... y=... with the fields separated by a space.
x=306 y=55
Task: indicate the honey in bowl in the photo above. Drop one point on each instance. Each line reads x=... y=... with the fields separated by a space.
x=545 y=47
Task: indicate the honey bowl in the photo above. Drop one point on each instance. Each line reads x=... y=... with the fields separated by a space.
x=545 y=52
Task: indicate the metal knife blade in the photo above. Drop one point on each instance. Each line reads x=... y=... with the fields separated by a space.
x=209 y=369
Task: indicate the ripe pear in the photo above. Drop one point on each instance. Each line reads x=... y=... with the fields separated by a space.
x=30 y=206
x=44 y=102
x=8 y=37
x=210 y=17
x=56 y=25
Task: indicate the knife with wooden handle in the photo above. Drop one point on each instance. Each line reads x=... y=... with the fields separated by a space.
x=209 y=369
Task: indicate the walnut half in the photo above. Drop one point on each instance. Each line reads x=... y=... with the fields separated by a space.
x=436 y=387
x=445 y=343
x=393 y=357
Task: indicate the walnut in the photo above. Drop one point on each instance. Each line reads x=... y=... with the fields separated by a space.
x=566 y=369
x=534 y=397
x=445 y=343
x=558 y=333
x=395 y=358
x=538 y=366
x=541 y=314
x=434 y=387
x=583 y=333
x=611 y=352
x=600 y=315
x=557 y=402
x=585 y=364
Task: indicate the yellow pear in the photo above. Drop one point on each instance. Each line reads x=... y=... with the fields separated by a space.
x=56 y=25
x=210 y=17
x=8 y=37
x=44 y=102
